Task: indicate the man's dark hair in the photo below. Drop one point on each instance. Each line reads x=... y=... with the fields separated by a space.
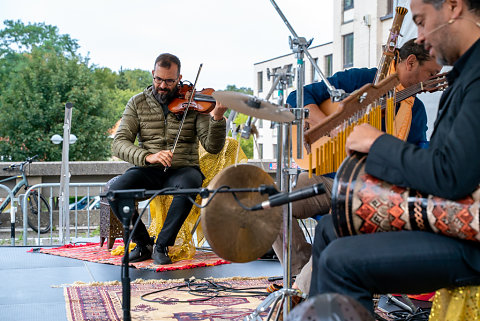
x=166 y=60
x=412 y=48
x=473 y=5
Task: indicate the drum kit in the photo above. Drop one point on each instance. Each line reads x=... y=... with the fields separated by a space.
x=245 y=235
x=240 y=235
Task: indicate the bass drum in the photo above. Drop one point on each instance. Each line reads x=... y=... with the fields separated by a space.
x=364 y=204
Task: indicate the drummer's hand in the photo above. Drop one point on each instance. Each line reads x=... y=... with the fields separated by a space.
x=362 y=138
x=218 y=111
x=164 y=157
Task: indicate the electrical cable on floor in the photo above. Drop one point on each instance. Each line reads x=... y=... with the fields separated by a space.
x=209 y=290
x=402 y=315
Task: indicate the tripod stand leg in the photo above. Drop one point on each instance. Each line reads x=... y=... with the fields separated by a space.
x=273 y=299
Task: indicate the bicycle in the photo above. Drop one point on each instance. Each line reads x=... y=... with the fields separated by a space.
x=34 y=199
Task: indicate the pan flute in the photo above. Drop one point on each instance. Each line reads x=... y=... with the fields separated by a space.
x=365 y=105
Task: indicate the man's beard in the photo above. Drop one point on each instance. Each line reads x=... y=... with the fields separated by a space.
x=165 y=96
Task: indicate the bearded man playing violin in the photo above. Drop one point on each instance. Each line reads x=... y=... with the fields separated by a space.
x=148 y=118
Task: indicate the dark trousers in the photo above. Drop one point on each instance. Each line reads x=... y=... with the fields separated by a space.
x=153 y=178
x=408 y=262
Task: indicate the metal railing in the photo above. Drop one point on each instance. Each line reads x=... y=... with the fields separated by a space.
x=13 y=207
x=51 y=186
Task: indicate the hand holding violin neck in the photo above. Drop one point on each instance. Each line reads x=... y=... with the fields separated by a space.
x=218 y=111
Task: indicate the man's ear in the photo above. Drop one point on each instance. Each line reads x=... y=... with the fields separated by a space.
x=456 y=7
x=410 y=62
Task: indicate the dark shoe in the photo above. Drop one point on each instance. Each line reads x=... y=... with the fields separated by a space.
x=140 y=253
x=160 y=255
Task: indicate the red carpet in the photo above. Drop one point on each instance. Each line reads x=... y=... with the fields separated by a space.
x=94 y=253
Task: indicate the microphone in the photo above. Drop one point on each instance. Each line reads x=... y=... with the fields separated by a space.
x=247 y=128
x=283 y=198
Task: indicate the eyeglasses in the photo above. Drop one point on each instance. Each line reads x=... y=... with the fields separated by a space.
x=169 y=82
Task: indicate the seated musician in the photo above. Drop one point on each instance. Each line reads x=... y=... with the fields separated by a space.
x=414 y=66
x=147 y=116
x=417 y=261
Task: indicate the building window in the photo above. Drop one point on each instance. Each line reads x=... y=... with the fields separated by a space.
x=328 y=65
x=348 y=50
x=260 y=151
x=347 y=4
x=260 y=123
x=275 y=150
x=260 y=81
x=389 y=7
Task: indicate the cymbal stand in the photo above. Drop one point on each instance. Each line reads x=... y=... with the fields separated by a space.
x=230 y=124
x=281 y=77
x=299 y=46
x=284 y=174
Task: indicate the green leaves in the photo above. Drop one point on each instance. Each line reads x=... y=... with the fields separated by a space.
x=39 y=72
x=17 y=37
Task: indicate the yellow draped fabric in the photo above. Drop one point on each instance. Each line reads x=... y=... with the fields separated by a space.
x=456 y=304
x=210 y=164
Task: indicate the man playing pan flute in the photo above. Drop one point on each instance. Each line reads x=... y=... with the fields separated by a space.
x=417 y=261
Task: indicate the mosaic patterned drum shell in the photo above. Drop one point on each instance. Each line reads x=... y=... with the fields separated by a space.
x=364 y=204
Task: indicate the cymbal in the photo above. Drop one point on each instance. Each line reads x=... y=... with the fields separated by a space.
x=236 y=234
x=253 y=106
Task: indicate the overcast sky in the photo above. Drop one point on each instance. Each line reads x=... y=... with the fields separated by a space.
x=227 y=36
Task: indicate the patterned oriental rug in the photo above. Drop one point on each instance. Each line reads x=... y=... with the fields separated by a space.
x=211 y=299
x=94 y=253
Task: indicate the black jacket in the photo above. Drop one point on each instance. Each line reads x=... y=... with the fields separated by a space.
x=450 y=167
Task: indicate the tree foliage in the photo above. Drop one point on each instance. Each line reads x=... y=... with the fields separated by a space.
x=18 y=38
x=40 y=71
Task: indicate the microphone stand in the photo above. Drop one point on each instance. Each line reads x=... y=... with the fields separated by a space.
x=126 y=207
x=284 y=172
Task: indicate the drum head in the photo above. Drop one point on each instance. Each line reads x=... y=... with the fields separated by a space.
x=236 y=234
x=330 y=307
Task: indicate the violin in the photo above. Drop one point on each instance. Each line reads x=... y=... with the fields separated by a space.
x=202 y=101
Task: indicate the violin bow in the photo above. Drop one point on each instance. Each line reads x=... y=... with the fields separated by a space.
x=185 y=113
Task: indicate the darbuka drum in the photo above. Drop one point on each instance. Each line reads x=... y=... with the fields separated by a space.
x=363 y=204
x=236 y=234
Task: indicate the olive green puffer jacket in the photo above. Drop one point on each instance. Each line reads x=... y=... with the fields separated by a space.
x=143 y=117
